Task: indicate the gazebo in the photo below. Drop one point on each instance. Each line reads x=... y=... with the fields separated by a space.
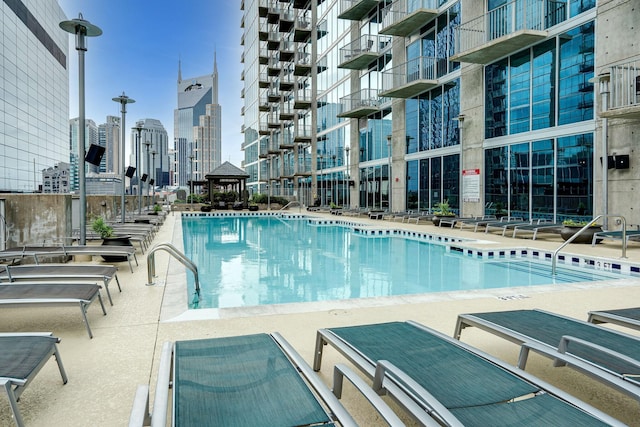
x=231 y=178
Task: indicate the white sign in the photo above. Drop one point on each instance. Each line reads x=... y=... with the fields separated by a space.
x=471 y=185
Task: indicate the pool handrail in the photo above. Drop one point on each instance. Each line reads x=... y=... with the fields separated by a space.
x=172 y=250
x=554 y=259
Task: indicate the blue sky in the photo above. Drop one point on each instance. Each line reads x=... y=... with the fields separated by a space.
x=138 y=53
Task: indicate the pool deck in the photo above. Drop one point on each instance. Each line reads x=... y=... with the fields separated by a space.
x=105 y=371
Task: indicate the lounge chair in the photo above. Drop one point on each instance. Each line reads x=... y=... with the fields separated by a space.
x=606 y=355
x=243 y=381
x=504 y=223
x=627 y=317
x=614 y=235
x=21 y=358
x=440 y=380
x=541 y=227
x=34 y=252
x=73 y=272
x=79 y=294
x=473 y=221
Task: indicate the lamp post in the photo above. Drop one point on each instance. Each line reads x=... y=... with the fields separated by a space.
x=191 y=157
x=153 y=180
x=347 y=193
x=123 y=100
x=139 y=129
x=322 y=191
x=148 y=145
x=389 y=171
x=81 y=29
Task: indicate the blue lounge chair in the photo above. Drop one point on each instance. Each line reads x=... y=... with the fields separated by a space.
x=614 y=235
x=440 y=380
x=247 y=380
x=606 y=355
x=22 y=355
x=627 y=317
x=541 y=227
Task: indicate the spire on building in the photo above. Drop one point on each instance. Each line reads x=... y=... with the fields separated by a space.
x=215 y=77
x=179 y=70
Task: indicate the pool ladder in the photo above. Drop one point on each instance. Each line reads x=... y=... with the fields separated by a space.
x=168 y=247
x=623 y=222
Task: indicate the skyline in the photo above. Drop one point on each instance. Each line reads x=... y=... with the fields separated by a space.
x=141 y=57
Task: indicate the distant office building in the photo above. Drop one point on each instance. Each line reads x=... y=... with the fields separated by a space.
x=103 y=183
x=197 y=127
x=34 y=106
x=155 y=160
x=109 y=138
x=56 y=179
x=91 y=137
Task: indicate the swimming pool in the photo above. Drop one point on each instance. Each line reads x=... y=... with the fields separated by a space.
x=249 y=261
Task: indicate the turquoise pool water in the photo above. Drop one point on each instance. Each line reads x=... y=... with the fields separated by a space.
x=249 y=261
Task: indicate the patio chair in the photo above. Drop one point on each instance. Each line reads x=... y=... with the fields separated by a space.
x=541 y=227
x=473 y=221
x=627 y=317
x=68 y=272
x=243 y=381
x=49 y=293
x=21 y=358
x=614 y=235
x=604 y=354
x=440 y=380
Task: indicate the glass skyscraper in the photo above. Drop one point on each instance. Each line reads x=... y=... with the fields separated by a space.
x=34 y=87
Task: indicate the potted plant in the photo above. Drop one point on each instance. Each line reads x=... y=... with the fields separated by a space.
x=571 y=227
x=442 y=210
x=156 y=209
x=500 y=212
x=105 y=231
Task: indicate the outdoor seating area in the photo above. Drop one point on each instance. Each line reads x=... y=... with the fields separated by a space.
x=178 y=370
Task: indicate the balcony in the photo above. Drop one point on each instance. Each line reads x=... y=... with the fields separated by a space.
x=286 y=111
x=264 y=81
x=287 y=50
x=506 y=30
x=273 y=94
x=287 y=81
x=411 y=78
x=274 y=68
x=301 y=4
x=302 y=30
x=302 y=98
x=273 y=121
x=273 y=40
x=404 y=17
x=273 y=15
x=286 y=140
x=263 y=128
x=302 y=63
x=287 y=19
x=361 y=53
x=302 y=133
x=263 y=103
x=360 y=104
x=355 y=10
x=624 y=89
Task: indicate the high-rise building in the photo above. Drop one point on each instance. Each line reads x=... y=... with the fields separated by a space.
x=91 y=137
x=56 y=179
x=155 y=160
x=33 y=73
x=402 y=105
x=197 y=126
x=109 y=138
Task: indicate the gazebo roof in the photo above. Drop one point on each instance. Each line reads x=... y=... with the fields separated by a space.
x=227 y=171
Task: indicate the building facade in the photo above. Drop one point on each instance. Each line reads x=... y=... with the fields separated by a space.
x=154 y=157
x=197 y=127
x=91 y=137
x=109 y=138
x=56 y=179
x=521 y=106
x=34 y=106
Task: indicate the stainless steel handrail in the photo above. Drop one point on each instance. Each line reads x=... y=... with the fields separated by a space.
x=554 y=259
x=168 y=247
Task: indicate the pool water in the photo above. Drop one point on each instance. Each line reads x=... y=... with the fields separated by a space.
x=249 y=261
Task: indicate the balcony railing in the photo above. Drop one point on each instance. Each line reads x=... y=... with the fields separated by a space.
x=360 y=104
x=302 y=29
x=413 y=77
x=507 y=29
x=355 y=10
x=624 y=91
x=302 y=98
x=302 y=133
x=360 y=53
x=403 y=17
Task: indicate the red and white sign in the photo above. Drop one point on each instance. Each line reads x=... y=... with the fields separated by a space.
x=471 y=185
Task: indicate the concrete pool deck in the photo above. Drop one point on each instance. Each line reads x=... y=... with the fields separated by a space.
x=105 y=371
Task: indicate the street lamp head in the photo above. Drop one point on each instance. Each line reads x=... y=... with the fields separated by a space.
x=81 y=28
x=123 y=99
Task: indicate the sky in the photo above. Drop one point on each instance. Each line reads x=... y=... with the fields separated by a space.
x=138 y=53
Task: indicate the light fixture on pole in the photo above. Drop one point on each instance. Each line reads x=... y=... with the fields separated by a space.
x=123 y=100
x=153 y=177
x=139 y=129
x=81 y=29
x=389 y=146
x=346 y=178
x=148 y=144
x=191 y=157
